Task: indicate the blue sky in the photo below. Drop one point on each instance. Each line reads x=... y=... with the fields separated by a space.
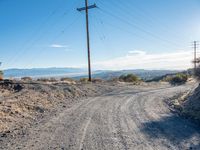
x=131 y=34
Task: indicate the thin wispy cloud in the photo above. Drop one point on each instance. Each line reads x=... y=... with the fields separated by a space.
x=136 y=52
x=141 y=59
x=58 y=46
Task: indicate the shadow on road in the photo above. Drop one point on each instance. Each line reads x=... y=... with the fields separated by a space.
x=174 y=129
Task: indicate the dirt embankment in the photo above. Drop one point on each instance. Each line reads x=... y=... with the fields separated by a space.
x=191 y=107
x=187 y=104
x=22 y=104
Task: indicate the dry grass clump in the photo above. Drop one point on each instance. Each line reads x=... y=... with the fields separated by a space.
x=47 y=79
x=97 y=80
x=26 y=79
x=83 y=80
x=94 y=80
x=68 y=80
x=1 y=75
x=129 y=78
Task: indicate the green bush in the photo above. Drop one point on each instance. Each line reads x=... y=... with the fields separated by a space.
x=129 y=78
x=179 y=78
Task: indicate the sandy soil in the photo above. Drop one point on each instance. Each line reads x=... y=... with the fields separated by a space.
x=93 y=116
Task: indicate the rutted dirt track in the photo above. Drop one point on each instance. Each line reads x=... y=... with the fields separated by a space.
x=129 y=119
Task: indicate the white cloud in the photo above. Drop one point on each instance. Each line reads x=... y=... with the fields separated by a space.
x=136 y=52
x=58 y=46
x=142 y=60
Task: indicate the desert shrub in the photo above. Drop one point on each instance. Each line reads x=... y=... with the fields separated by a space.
x=47 y=79
x=1 y=75
x=66 y=79
x=26 y=79
x=83 y=80
x=97 y=80
x=52 y=79
x=179 y=78
x=115 y=79
x=42 y=79
x=129 y=78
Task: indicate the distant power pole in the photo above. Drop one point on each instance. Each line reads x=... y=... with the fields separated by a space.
x=86 y=8
x=195 y=55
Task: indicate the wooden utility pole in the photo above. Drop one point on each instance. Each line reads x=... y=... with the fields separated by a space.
x=86 y=8
x=195 y=55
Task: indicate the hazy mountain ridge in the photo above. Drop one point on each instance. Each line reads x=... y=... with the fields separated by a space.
x=82 y=73
x=144 y=74
x=41 y=72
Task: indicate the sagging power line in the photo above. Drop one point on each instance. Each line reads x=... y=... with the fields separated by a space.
x=86 y=8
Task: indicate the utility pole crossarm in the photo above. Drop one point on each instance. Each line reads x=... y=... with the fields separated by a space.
x=89 y=7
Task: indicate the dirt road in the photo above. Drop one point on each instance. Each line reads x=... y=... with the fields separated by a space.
x=121 y=120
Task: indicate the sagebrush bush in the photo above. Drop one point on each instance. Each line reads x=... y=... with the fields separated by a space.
x=97 y=80
x=83 y=80
x=26 y=79
x=47 y=79
x=129 y=78
x=179 y=78
x=66 y=79
x=1 y=75
x=94 y=80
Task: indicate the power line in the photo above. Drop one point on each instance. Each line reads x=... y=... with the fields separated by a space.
x=143 y=14
x=140 y=29
x=137 y=27
x=25 y=49
x=53 y=40
x=18 y=53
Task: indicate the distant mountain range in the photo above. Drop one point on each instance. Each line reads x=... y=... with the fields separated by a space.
x=81 y=73
x=43 y=72
x=143 y=74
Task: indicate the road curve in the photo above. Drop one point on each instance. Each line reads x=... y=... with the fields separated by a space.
x=124 y=120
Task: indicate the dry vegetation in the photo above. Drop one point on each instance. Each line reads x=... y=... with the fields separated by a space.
x=130 y=78
x=1 y=75
x=177 y=79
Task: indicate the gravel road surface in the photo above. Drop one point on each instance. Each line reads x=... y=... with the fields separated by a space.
x=122 y=120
